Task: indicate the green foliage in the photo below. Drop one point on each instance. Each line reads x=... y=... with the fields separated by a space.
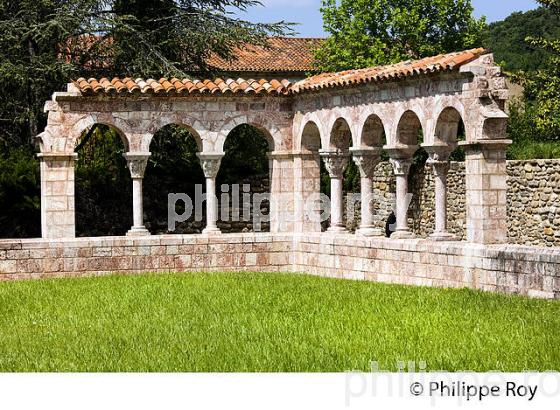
x=20 y=202
x=537 y=119
x=506 y=38
x=46 y=43
x=245 y=155
x=172 y=168
x=366 y=33
x=103 y=187
x=263 y=322
x=527 y=140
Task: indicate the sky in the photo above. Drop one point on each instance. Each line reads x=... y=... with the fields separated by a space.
x=306 y=12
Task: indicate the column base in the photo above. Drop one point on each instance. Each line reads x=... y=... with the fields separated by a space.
x=370 y=232
x=138 y=231
x=211 y=231
x=403 y=235
x=337 y=229
x=443 y=237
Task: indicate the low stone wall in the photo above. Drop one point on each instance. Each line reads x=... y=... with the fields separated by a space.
x=500 y=268
x=37 y=258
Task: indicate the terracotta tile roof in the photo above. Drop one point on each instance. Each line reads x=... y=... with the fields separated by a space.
x=180 y=87
x=442 y=62
x=282 y=54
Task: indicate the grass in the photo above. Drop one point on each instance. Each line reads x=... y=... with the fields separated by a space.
x=267 y=322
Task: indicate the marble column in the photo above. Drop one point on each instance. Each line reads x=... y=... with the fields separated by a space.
x=401 y=168
x=439 y=160
x=366 y=161
x=211 y=165
x=335 y=163
x=137 y=163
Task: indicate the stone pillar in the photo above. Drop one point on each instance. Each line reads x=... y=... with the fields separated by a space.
x=486 y=190
x=439 y=160
x=367 y=160
x=335 y=163
x=401 y=168
x=58 y=216
x=307 y=190
x=282 y=188
x=211 y=165
x=137 y=163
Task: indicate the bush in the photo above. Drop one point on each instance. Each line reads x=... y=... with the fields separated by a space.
x=20 y=194
x=528 y=142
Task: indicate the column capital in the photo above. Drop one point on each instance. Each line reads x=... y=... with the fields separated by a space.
x=137 y=162
x=210 y=163
x=335 y=162
x=366 y=160
x=401 y=166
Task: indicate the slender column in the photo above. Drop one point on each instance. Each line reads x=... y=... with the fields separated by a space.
x=401 y=168
x=211 y=165
x=137 y=166
x=439 y=160
x=367 y=160
x=336 y=162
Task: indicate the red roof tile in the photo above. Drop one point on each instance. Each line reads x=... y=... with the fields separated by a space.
x=442 y=62
x=282 y=54
x=180 y=87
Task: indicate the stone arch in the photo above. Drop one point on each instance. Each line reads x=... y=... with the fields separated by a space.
x=270 y=131
x=248 y=161
x=102 y=181
x=191 y=124
x=194 y=133
x=86 y=123
x=310 y=137
x=173 y=167
x=340 y=135
x=120 y=133
x=447 y=126
x=372 y=132
x=408 y=127
x=299 y=127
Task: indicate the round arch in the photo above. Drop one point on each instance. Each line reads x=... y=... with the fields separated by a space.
x=372 y=132
x=310 y=140
x=103 y=186
x=408 y=128
x=447 y=126
x=271 y=132
x=340 y=135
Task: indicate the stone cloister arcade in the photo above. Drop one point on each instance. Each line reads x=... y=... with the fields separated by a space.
x=337 y=118
x=331 y=118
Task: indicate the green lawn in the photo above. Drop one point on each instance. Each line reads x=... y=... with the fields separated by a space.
x=267 y=322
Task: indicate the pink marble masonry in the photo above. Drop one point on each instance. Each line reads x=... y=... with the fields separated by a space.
x=513 y=269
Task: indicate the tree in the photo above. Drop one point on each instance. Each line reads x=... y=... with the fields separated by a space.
x=46 y=43
x=534 y=124
x=542 y=87
x=506 y=38
x=366 y=33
